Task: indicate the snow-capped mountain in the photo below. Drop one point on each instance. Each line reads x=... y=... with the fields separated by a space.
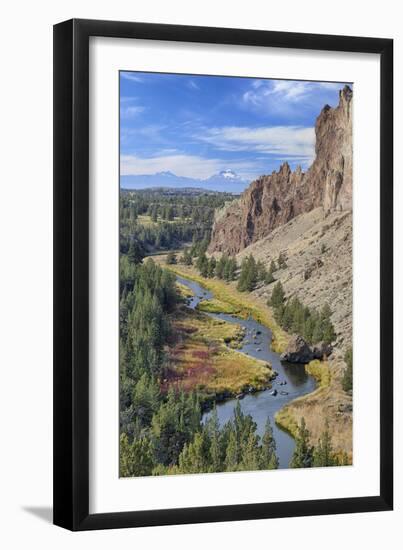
x=229 y=174
x=226 y=180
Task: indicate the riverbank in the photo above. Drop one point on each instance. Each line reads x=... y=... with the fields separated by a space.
x=327 y=401
x=202 y=356
x=244 y=304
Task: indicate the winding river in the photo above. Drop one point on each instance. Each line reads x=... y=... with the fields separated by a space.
x=292 y=380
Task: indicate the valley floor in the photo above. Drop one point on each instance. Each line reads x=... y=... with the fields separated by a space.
x=202 y=357
x=328 y=401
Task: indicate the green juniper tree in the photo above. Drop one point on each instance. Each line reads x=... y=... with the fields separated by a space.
x=303 y=452
x=136 y=252
x=216 y=453
x=202 y=264
x=211 y=267
x=277 y=296
x=323 y=454
x=249 y=274
x=136 y=458
x=268 y=458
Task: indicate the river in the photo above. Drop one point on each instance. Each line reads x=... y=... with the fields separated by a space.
x=292 y=379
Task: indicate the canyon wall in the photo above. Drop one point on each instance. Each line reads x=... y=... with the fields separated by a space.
x=273 y=200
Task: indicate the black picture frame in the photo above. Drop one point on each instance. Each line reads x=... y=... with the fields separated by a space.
x=71 y=274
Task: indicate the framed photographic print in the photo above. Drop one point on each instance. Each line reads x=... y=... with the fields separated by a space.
x=223 y=215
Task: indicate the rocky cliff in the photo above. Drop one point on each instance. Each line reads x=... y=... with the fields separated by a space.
x=272 y=201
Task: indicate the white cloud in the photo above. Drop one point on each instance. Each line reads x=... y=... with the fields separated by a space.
x=280 y=95
x=191 y=166
x=131 y=76
x=131 y=111
x=290 y=141
x=128 y=107
x=192 y=85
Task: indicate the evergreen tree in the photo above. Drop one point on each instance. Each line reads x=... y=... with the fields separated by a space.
x=249 y=274
x=211 y=267
x=154 y=214
x=303 y=452
x=219 y=271
x=317 y=334
x=323 y=454
x=186 y=258
x=328 y=332
x=136 y=252
x=194 y=457
x=282 y=264
x=250 y=453
x=145 y=399
x=268 y=458
x=277 y=295
x=169 y=213
x=231 y=456
x=213 y=429
x=261 y=271
x=230 y=269
x=135 y=459
x=269 y=278
x=202 y=265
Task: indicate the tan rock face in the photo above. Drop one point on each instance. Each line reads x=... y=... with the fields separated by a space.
x=318 y=253
x=272 y=201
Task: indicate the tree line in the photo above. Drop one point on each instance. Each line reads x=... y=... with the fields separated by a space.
x=314 y=326
x=162 y=432
x=176 y=217
x=308 y=456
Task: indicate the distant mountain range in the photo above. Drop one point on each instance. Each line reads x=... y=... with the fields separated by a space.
x=226 y=180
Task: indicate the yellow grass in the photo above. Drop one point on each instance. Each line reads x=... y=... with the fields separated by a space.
x=244 y=303
x=286 y=417
x=184 y=290
x=320 y=371
x=144 y=219
x=236 y=371
x=202 y=360
x=217 y=306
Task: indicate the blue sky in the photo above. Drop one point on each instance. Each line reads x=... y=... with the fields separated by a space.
x=196 y=126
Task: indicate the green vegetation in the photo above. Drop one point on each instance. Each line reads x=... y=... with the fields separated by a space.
x=165 y=220
x=294 y=317
x=226 y=268
x=307 y=456
x=249 y=274
x=186 y=258
x=281 y=262
x=201 y=357
x=303 y=452
x=171 y=360
x=217 y=306
x=246 y=304
x=347 y=381
x=320 y=371
x=147 y=297
x=232 y=447
x=323 y=454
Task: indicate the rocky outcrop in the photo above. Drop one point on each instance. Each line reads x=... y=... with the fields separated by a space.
x=273 y=200
x=321 y=350
x=318 y=251
x=297 y=351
